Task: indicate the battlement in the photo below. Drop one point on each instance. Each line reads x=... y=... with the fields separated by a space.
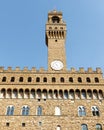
x=33 y=69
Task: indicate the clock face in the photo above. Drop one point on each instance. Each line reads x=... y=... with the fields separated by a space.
x=57 y=65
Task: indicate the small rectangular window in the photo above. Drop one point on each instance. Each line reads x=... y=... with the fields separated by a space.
x=23 y=124
x=7 y=124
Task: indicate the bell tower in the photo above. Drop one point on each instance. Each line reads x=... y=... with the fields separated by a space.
x=55 y=41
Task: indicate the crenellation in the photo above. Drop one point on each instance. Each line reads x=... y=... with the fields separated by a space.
x=90 y=70
x=73 y=70
x=1 y=69
x=17 y=69
x=98 y=70
x=25 y=69
x=81 y=70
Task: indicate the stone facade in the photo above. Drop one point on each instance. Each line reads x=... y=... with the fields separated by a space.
x=53 y=99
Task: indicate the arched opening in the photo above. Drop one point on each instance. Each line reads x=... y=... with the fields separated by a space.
x=81 y=111
x=50 y=94
x=58 y=127
x=44 y=94
x=89 y=94
x=98 y=127
x=79 y=79
x=95 y=111
x=96 y=80
x=32 y=93
x=71 y=94
x=95 y=94
x=88 y=80
x=21 y=93
x=65 y=94
x=55 y=94
x=44 y=79
x=57 y=111
x=9 y=93
x=25 y=111
x=10 y=110
x=53 y=79
x=39 y=110
x=3 y=93
x=60 y=94
x=84 y=127
x=38 y=94
x=4 y=79
x=71 y=79
x=55 y=19
x=12 y=79
x=100 y=94
x=27 y=93
x=77 y=94
x=83 y=94
x=62 y=80
x=21 y=79
x=29 y=79
x=37 y=79
x=15 y=93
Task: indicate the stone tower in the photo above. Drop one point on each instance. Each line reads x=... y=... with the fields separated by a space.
x=53 y=99
x=55 y=40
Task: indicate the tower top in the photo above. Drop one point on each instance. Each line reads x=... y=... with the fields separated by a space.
x=55 y=17
x=55 y=40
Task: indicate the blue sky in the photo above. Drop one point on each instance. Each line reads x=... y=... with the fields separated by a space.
x=22 y=32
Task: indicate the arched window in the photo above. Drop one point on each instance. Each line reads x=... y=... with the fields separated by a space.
x=98 y=127
x=60 y=94
x=95 y=94
x=29 y=79
x=21 y=93
x=95 y=111
x=71 y=94
x=3 y=93
x=39 y=110
x=88 y=80
x=44 y=79
x=21 y=79
x=96 y=80
x=55 y=94
x=44 y=94
x=32 y=93
x=58 y=127
x=38 y=94
x=10 y=110
x=62 y=80
x=77 y=94
x=55 y=19
x=50 y=94
x=15 y=93
x=71 y=79
x=53 y=79
x=9 y=93
x=27 y=93
x=25 y=110
x=37 y=79
x=100 y=94
x=81 y=111
x=4 y=79
x=65 y=94
x=12 y=79
x=83 y=94
x=84 y=127
x=57 y=111
x=89 y=94
x=79 y=80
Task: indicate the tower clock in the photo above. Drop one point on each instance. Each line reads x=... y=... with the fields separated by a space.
x=55 y=41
